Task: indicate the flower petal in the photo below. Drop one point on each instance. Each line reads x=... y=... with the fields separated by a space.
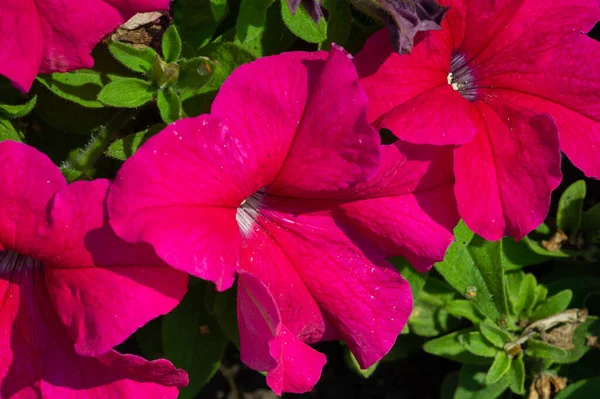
x=68 y=40
x=266 y=344
x=20 y=41
x=29 y=180
x=361 y=295
x=408 y=208
x=505 y=176
x=180 y=193
x=334 y=147
x=44 y=364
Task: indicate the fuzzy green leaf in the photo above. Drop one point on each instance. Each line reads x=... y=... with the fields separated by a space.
x=136 y=59
x=527 y=295
x=498 y=369
x=584 y=389
x=18 y=111
x=543 y=350
x=517 y=255
x=252 y=19
x=568 y=216
x=474 y=268
x=125 y=147
x=477 y=344
x=81 y=87
x=516 y=375
x=471 y=384
x=171 y=44
x=339 y=22
x=127 y=93
x=464 y=308
x=415 y=279
x=354 y=366
x=302 y=24
x=8 y=131
x=197 y=20
x=169 y=105
x=495 y=334
x=448 y=346
x=553 y=305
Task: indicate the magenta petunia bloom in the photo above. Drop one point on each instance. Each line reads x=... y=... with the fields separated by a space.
x=504 y=81
x=70 y=290
x=286 y=183
x=44 y=36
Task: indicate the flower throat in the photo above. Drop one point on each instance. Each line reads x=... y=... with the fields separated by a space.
x=12 y=262
x=461 y=77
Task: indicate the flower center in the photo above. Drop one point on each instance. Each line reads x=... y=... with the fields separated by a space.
x=248 y=211
x=12 y=262
x=461 y=77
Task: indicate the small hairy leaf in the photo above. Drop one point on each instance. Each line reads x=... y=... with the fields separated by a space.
x=18 y=111
x=495 y=334
x=171 y=44
x=127 y=93
x=169 y=105
x=448 y=346
x=527 y=295
x=541 y=349
x=302 y=24
x=136 y=59
x=584 y=389
x=7 y=131
x=477 y=344
x=553 y=305
x=568 y=216
x=471 y=384
x=516 y=375
x=354 y=366
x=464 y=308
x=498 y=369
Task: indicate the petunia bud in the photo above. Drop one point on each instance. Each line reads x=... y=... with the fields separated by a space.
x=312 y=7
x=404 y=18
x=164 y=73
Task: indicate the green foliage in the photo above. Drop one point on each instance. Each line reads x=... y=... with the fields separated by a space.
x=498 y=369
x=169 y=105
x=171 y=44
x=303 y=26
x=568 y=217
x=474 y=268
x=354 y=366
x=136 y=59
x=472 y=384
x=193 y=340
x=585 y=389
x=197 y=20
x=126 y=93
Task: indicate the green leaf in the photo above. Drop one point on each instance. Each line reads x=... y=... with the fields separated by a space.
x=527 y=295
x=225 y=311
x=498 y=369
x=590 y=223
x=471 y=384
x=474 y=268
x=8 y=132
x=193 y=340
x=302 y=25
x=449 y=346
x=513 y=286
x=543 y=350
x=136 y=59
x=18 y=111
x=415 y=279
x=125 y=147
x=584 y=389
x=227 y=57
x=553 y=305
x=449 y=385
x=495 y=334
x=477 y=344
x=339 y=22
x=197 y=20
x=81 y=87
x=354 y=366
x=149 y=339
x=194 y=74
x=516 y=375
x=252 y=19
x=541 y=293
x=464 y=308
x=171 y=44
x=517 y=255
x=568 y=216
x=169 y=105
x=127 y=93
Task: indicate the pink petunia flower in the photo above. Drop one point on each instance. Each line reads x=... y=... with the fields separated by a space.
x=70 y=290
x=503 y=80
x=44 y=36
x=274 y=185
